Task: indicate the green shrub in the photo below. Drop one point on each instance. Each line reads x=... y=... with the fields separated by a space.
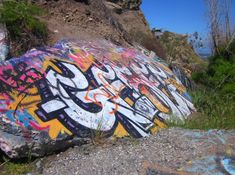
x=21 y=19
x=199 y=77
x=17 y=14
x=220 y=72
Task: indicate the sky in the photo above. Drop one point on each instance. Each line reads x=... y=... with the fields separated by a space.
x=180 y=16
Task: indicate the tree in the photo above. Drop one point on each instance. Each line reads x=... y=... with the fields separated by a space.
x=228 y=19
x=213 y=22
x=219 y=23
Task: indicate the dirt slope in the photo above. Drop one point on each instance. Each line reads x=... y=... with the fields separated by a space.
x=93 y=19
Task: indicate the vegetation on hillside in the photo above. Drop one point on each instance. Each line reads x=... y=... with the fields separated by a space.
x=214 y=96
x=148 y=41
x=179 y=51
x=25 y=29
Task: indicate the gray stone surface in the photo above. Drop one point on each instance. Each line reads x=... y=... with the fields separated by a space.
x=171 y=151
x=19 y=147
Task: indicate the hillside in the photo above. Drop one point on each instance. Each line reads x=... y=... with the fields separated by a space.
x=179 y=52
x=94 y=19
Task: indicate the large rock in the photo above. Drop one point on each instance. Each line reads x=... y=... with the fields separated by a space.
x=78 y=89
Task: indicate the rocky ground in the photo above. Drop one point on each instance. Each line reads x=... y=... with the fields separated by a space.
x=172 y=151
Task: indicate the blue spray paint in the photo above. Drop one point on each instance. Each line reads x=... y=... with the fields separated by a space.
x=22 y=116
x=229 y=165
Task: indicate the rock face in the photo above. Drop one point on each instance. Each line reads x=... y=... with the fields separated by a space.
x=78 y=89
x=112 y=20
x=128 y=4
x=20 y=145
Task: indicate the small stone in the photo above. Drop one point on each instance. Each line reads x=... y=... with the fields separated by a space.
x=39 y=167
x=87 y=12
x=90 y=19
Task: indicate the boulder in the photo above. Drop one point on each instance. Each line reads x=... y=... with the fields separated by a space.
x=56 y=97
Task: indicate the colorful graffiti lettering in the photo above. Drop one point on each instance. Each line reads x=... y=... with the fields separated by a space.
x=79 y=87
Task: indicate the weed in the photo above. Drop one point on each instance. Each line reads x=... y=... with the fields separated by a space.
x=17 y=167
x=11 y=168
x=97 y=135
x=132 y=140
x=215 y=111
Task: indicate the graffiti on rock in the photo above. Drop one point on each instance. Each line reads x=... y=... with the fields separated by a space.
x=212 y=164
x=78 y=87
x=228 y=164
x=207 y=165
